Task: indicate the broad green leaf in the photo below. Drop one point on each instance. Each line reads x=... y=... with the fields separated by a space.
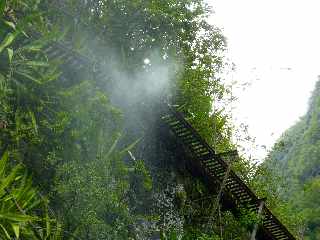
x=7 y=41
x=18 y=217
x=18 y=178
x=10 y=54
x=10 y=24
x=16 y=230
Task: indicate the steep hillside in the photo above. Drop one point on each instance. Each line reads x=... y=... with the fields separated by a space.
x=296 y=159
x=84 y=87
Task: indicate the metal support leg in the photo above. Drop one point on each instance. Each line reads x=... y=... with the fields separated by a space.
x=255 y=229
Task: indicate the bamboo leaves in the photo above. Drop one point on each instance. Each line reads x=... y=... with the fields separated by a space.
x=10 y=24
x=18 y=200
x=10 y=54
x=7 y=40
x=16 y=230
x=17 y=194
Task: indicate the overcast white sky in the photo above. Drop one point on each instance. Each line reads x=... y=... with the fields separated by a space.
x=275 y=45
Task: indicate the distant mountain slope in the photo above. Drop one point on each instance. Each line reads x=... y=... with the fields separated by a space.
x=296 y=158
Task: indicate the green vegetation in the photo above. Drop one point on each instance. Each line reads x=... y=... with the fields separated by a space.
x=295 y=159
x=24 y=213
x=88 y=133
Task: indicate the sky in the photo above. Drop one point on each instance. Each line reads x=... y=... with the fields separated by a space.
x=275 y=46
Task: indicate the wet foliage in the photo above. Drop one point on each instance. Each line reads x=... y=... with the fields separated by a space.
x=88 y=130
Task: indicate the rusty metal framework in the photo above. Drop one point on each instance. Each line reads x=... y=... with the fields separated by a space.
x=214 y=170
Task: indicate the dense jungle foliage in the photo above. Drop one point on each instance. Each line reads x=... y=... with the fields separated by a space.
x=81 y=151
x=295 y=159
